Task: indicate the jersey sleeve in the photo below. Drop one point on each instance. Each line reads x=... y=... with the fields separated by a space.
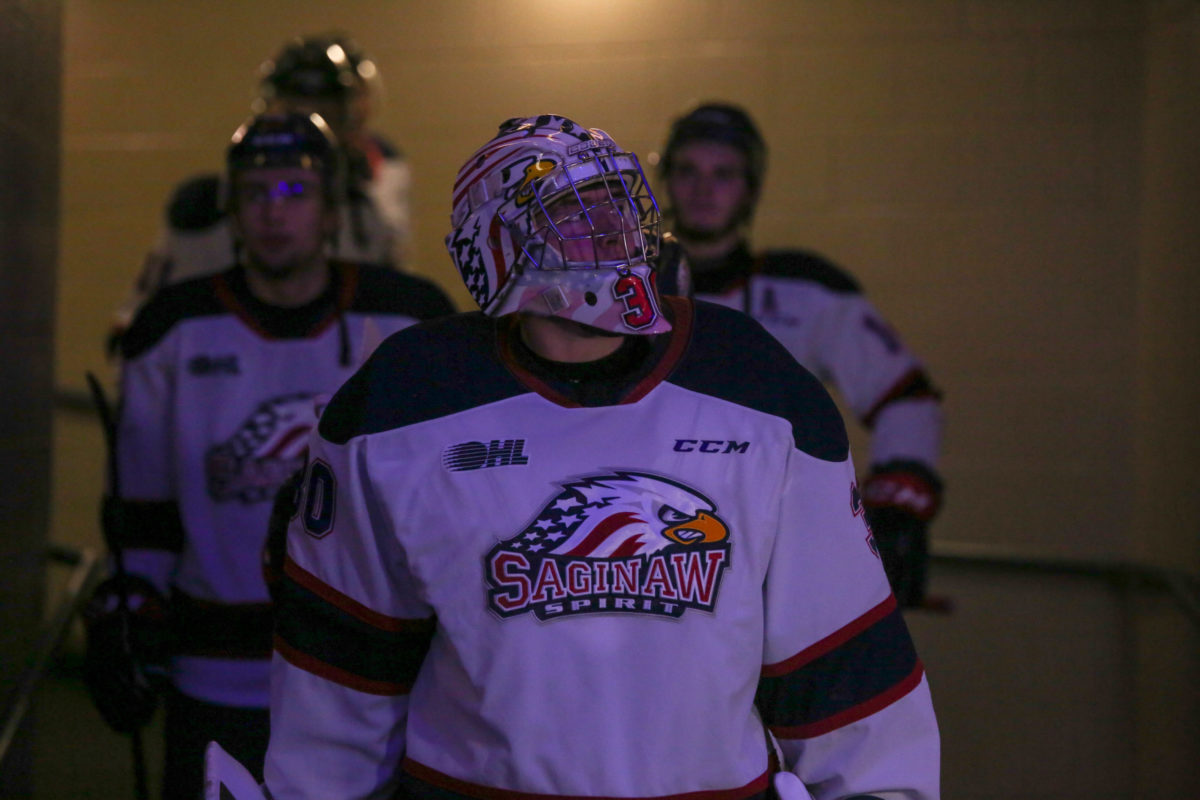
x=842 y=688
x=351 y=634
x=142 y=517
x=882 y=381
x=389 y=190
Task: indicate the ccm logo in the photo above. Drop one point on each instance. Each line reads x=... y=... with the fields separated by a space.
x=710 y=446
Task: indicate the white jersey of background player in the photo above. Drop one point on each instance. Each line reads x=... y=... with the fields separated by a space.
x=220 y=377
x=713 y=166
x=327 y=74
x=588 y=542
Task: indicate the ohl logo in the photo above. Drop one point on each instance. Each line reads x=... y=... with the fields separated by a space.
x=477 y=455
x=623 y=542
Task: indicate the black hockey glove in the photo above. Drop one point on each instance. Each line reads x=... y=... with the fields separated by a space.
x=904 y=548
x=900 y=498
x=275 y=551
x=127 y=650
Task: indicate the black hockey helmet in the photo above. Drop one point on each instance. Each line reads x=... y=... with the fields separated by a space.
x=719 y=122
x=286 y=140
x=327 y=66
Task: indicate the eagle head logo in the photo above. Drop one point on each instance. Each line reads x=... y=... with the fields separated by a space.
x=623 y=514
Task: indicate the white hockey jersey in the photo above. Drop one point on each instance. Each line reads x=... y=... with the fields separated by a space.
x=501 y=585
x=217 y=400
x=822 y=317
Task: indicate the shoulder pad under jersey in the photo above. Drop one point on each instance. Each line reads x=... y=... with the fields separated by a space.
x=732 y=357
x=808 y=266
x=165 y=309
x=438 y=367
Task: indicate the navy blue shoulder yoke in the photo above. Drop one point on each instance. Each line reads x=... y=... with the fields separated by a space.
x=808 y=266
x=165 y=309
x=422 y=372
x=732 y=357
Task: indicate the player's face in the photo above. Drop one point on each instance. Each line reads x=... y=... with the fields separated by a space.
x=707 y=186
x=282 y=219
x=607 y=232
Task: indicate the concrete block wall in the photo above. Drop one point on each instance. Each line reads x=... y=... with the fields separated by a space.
x=1013 y=182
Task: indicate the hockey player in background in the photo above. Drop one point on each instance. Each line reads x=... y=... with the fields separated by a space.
x=589 y=542
x=219 y=380
x=330 y=75
x=713 y=167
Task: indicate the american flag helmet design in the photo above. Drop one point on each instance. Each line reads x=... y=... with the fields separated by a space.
x=553 y=218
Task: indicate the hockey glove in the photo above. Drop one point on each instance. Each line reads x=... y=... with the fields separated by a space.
x=900 y=498
x=127 y=650
x=275 y=550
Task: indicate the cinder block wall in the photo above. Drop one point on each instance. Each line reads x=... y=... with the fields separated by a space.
x=1013 y=182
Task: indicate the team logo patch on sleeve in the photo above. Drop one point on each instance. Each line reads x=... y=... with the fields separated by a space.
x=859 y=510
x=266 y=449
x=622 y=542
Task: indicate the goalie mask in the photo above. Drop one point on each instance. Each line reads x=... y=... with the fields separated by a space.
x=552 y=218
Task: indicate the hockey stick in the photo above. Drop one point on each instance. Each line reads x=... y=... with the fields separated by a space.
x=108 y=424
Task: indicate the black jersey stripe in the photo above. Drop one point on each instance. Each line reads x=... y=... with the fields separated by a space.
x=334 y=674
x=913 y=385
x=221 y=630
x=324 y=632
x=853 y=713
x=849 y=675
x=348 y=605
x=142 y=524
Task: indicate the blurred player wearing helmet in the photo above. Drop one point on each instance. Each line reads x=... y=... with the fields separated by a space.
x=220 y=375
x=713 y=166
x=327 y=74
x=587 y=541
x=331 y=75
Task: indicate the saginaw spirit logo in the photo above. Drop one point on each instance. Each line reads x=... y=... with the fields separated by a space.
x=263 y=452
x=621 y=542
